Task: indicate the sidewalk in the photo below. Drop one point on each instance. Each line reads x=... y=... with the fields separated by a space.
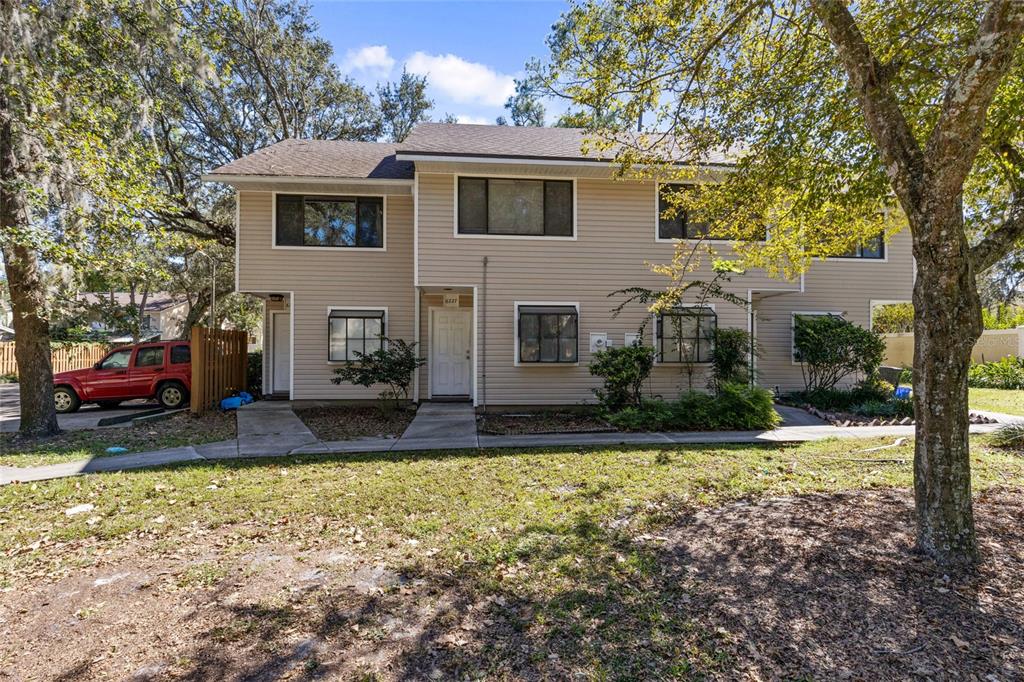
x=271 y=429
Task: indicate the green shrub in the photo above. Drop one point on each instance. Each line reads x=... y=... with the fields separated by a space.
x=392 y=365
x=1009 y=436
x=624 y=371
x=830 y=348
x=869 y=390
x=730 y=357
x=1003 y=316
x=893 y=318
x=10 y=378
x=1007 y=373
x=254 y=373
x=894 y=407
x=736 y=407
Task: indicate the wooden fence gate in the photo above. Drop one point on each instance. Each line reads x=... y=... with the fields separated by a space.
x=64 y=358
x=219 y=361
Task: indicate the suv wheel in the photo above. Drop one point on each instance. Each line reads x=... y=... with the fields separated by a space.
x=66 y=400
x=172 y=395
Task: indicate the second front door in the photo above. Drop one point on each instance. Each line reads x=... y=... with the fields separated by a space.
x=451 y=352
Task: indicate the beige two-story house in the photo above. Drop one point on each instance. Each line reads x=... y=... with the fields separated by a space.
x=495 y=249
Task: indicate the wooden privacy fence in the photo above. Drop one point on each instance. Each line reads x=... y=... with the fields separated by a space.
x=219 y=360
x=63 y=358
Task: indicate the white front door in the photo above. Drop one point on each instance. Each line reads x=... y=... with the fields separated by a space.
x=281 y=367
x=451 y=348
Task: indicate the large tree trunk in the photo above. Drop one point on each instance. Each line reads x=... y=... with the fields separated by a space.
x=947 y=323
x=28 y=301
x=31 y=342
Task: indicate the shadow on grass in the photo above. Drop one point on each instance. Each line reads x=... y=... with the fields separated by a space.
x=813 y=587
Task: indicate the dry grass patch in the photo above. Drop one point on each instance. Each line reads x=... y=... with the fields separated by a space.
x=516 y=424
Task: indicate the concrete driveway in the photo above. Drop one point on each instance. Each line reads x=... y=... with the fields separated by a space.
x=87 y=417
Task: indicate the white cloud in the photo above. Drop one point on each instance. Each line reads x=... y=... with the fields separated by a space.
x=479 y=120
x=464 y=82
x=372 y=59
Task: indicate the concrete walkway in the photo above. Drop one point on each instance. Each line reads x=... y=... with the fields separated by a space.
x=271 y=429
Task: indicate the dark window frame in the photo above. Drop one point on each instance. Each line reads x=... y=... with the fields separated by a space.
x=355 y=199
x=700 y=313
x=349 y=313
x=685 y=233
x=462 y=230
x=550 y=309
x=858 y=252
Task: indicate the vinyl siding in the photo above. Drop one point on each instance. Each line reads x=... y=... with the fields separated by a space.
x=323 y=278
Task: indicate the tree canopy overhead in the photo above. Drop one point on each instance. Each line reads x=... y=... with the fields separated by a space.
x=838 y=121
x=762 y=82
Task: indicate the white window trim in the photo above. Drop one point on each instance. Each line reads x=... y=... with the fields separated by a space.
x=321 y=249
x=655 y=339
x=515 y=333
x=792 y=328
x=267 y=378
x=688 y=240
x=521 y=237
x=384 y=331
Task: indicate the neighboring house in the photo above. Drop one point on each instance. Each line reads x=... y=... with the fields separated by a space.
x=162 y=318
x=495 y=248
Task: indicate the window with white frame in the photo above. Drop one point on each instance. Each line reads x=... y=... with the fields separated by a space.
x=508 y=206
x=351 y=332
x=796 y=319
x=548 y=333
x=354 y=222
x=686 y=334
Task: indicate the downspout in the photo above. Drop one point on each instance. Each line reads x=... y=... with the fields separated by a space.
x=483 y=337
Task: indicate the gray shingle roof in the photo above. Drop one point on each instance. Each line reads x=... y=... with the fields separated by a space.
x=526 y=142
x=322 y=159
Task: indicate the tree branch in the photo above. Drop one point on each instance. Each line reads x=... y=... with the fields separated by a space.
x=1000 y=241
x=957 y=136
x=901 y=154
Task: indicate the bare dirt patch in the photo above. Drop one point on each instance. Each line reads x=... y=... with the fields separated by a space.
x=543 y=422
x=809 y=587
x=346 y=423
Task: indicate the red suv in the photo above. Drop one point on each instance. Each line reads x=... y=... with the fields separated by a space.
x=161 y=370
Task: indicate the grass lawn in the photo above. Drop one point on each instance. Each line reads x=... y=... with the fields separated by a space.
x=997 y=400
x=683 y=562
x=181 y=429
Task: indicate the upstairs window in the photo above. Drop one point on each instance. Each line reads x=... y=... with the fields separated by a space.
x=679 y=225
x=548 y=334
x=872 y=248
x=541 y=208
x=686 y=335
x=353 y=222
x=352 y=331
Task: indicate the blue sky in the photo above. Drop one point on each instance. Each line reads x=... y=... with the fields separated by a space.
x=470 y=51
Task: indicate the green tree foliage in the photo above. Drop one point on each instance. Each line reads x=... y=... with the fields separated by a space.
x=524 y=107
x=403 y=104
x=392 y=365
x=893 y=318
x=1003 y=316
x=624 y=371
x=843 y=121
x=730 y=357
x=830 y=349
x=269 y=77
x=76 y=162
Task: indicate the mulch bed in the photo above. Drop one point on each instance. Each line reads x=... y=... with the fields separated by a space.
x=346 y=423
x=518 y=424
